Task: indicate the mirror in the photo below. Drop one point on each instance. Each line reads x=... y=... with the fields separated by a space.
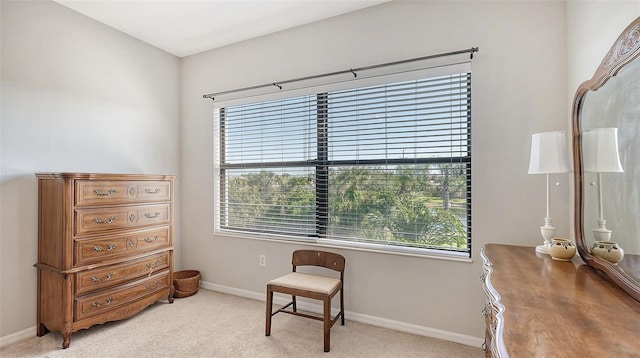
x=607 y=190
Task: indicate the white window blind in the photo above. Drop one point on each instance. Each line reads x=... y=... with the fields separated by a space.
x=387 y=166
x=267 y=176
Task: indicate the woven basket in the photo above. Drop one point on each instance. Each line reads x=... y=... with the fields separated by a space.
x=186 y=283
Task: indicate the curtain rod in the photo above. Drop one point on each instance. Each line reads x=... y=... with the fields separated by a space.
x=353 y=71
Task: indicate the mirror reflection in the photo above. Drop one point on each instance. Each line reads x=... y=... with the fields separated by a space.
x=611 y=156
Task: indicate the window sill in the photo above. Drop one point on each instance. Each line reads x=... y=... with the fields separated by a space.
x=355 y=246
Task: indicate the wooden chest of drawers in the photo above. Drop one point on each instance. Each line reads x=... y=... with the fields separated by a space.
x=105 y=248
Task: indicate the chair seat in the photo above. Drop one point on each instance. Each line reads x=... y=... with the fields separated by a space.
x=312 y=283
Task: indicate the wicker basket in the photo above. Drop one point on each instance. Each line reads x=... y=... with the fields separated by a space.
x=186 y=283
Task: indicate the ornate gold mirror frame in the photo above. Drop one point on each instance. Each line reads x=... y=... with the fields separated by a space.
x=625 y=51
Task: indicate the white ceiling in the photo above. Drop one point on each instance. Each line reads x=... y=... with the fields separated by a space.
x=186 y=27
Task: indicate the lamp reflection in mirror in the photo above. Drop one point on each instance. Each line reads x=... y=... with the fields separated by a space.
x=548 y=155
x=600 y=150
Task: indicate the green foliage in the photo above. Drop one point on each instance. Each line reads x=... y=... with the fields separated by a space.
x=419 y=206
x=398 y=207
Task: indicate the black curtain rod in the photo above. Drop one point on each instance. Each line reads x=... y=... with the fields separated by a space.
x=353 y=71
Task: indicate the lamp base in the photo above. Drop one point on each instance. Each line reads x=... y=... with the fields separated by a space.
x=601 y=233
x=542 y=249
x=548 y=232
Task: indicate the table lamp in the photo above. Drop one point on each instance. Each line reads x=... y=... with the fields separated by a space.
x=548 y=155
x=600 y=150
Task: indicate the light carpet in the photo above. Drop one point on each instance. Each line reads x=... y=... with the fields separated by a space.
x=211 y=324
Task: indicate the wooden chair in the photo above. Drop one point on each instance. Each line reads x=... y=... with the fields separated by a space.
x=311 y=286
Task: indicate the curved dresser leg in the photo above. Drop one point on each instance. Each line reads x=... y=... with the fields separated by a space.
x=66 y=340
x=171 y=292
x=66 y=335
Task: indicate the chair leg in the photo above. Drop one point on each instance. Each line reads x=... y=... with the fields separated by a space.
x=295 y=307
x=327 y=323
x=269 y=305
x=342 y=307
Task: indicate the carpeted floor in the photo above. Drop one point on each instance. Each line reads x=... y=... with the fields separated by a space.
x=211 y=324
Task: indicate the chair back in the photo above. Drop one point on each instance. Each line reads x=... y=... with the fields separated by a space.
x=324 y=259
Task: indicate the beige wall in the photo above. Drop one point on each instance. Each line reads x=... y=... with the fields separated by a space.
x=519 y=87
x=76 y=96
x=592 y=27
x=70 y=83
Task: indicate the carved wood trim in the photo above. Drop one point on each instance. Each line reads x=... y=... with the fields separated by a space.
x=495 y=346
x=626 y=44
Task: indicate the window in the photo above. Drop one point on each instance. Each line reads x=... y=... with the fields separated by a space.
x=384 y=166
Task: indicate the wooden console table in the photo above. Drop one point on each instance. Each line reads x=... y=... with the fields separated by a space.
x=540 y=307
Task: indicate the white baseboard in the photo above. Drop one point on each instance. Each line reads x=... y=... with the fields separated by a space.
x=18 y=336
x=356 y=317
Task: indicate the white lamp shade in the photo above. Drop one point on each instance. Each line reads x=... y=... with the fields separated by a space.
x=600 y=150
x=548 y=153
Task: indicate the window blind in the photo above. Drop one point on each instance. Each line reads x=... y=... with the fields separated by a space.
x=386 y=165
x=267 y=168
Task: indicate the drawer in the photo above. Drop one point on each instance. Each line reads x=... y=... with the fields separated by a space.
x=91 y=192
x=111 y=299
x=124 y=217
x=91 y=280
x=93 y=250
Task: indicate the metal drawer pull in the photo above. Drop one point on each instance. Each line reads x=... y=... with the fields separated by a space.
x=109 y=248
x=151 y=266
x=105 y=193
x=106 y=303
x=152 y=216
x=150 y=287
x=108 y=277
x=148 y=239
x=151 y=191
x=111 y=220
